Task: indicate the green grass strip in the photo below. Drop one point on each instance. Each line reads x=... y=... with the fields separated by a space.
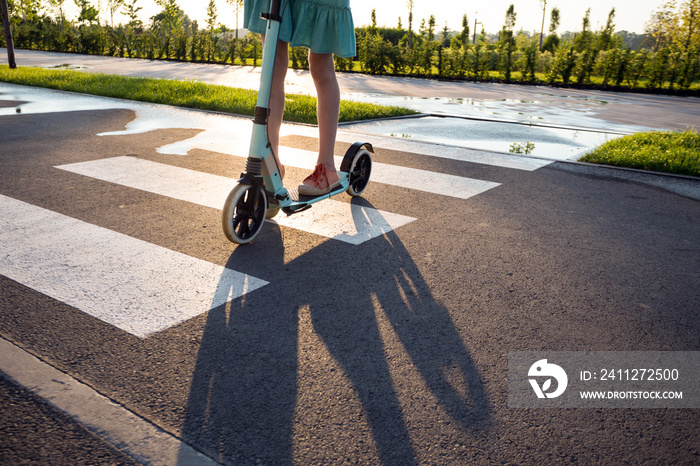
x=662 y=151
x=190 y=94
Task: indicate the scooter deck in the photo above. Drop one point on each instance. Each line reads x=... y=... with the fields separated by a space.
x=296 y=197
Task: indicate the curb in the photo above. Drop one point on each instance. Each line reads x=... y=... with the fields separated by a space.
x=128 y=432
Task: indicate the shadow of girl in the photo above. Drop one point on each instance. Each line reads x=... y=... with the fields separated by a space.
x=265 y=387
x=243 y=388
x=396 y=344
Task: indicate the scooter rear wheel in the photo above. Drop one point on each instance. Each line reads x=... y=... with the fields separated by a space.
x=244 y=213
x=360 y=170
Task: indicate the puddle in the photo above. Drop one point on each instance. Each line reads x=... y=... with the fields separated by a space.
x=65 y=66
x=544 y=125
x=547 y=109
x=226 y=134
x=554 y=143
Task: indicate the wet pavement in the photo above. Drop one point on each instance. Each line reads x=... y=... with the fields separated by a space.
x=541 y=121
x=527 y=139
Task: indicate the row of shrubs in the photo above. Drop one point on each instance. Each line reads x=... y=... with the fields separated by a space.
x=574 y=61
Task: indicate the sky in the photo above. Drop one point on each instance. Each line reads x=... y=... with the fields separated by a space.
x=631 y=15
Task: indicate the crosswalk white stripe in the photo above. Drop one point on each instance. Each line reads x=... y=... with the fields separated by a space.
x=431 y=182
x=167 y=180
x=343 y=221
x=393 y=175
x=134 y=285
x=403 y=177
x=351 y=223
x=238 y=141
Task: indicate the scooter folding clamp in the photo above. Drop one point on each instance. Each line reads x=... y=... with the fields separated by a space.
x=261 y=115
x=271 y=17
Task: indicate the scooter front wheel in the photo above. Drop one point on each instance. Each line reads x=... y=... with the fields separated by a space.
x=244 y=213
x=360 y=170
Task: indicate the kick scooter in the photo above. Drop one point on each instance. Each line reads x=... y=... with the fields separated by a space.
x=260 y=193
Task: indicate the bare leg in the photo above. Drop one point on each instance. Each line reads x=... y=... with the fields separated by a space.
x=325 y=177
x=277 y=99
x=322 y=69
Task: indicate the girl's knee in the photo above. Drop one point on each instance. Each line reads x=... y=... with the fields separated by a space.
x=321 y=66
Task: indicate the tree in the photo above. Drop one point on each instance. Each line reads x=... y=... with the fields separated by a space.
x=544 y=13
x=427 y=36
x=212 y=16
x=552 y=42
x=606 y=35
x=112 y=7
x=171 y=17
x=564 y=62
x=464 y=35
x=168 y=24
x=689 y=22
x=530 y=50
x=88 y=13
x=689 y=36
x=584 y=45
x=237 y=5
x=374 y=53
x=57 y=7
x=132 y=12
x=554 y=21
x=661 y=26
x=211 y=25
x=28 y=9
x=410 y=24
x=583 y=40
x=507 y=43
x=445 y=35
x=679 y=31
x=8 y=34
x=480 y=59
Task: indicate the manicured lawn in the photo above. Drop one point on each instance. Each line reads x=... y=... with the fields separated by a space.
x=667 y=151
x=191 y=94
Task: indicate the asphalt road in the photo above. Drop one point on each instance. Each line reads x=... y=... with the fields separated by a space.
x=390 y=351
x=33 y=432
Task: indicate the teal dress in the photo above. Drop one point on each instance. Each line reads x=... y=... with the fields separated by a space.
x=323 y=26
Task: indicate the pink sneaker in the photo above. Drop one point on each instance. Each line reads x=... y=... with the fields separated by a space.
x=321 y=181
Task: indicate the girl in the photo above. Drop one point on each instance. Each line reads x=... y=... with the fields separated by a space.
x=325 y=27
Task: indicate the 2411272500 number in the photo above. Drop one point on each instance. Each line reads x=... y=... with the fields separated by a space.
x=639 y=374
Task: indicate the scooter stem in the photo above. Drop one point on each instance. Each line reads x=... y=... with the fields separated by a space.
x=260 y=144
x=269 y=53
